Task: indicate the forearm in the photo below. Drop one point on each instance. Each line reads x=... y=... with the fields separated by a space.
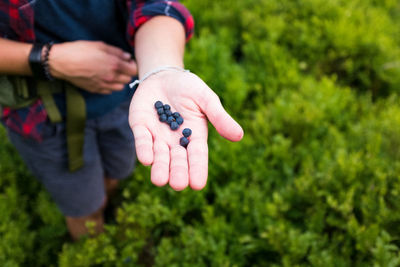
x=159 y=42
x=14 y=57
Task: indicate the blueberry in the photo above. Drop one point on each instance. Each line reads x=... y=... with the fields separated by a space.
x=184 y=141
x=176 y=115
x=160 y=111
x=168 y=112
x=170 y=119
x=186 y=132
x=163 y=117
x=179 y=120
x=167 y=107
x=158 y=105
x=174 y=125
x=127 y=260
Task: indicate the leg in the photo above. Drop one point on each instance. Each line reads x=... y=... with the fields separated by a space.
x=80 y=195
x=117 y=147
x=77 y=225
x=111 y=186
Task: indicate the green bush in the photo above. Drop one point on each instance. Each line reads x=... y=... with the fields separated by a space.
x=315 y=181
x=31 y=227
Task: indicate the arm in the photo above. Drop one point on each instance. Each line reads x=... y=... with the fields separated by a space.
x=14 y=57
x=160 y=42
x=93 y=66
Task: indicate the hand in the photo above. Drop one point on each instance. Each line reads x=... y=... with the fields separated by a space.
x=157 y=145
x=92 y=66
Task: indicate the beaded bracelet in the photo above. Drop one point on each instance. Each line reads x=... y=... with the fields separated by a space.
x=45 y=62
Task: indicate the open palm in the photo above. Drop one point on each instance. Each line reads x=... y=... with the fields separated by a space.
x=157 y=145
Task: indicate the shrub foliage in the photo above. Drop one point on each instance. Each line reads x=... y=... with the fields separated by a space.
x=314 y=182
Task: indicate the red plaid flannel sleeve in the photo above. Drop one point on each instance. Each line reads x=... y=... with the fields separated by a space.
x=16 y=22
x=142 y=11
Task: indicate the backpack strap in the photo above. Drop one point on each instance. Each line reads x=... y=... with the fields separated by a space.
x=76 y=118
x=21 y=92
x=46 y=90
x=15 y=92
x=22 y=87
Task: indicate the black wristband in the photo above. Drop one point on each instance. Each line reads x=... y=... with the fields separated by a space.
x=35 y=61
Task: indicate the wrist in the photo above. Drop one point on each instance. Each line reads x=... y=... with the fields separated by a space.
x=38 y=61
x=55 y=67
x=156 y=71
x=144 y=69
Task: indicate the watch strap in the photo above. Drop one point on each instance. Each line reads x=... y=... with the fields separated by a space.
x=35 y=61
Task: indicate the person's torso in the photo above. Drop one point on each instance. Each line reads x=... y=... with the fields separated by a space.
x=94 y=20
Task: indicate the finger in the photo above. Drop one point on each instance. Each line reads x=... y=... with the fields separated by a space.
x=128 y=68
x=178 y=177
x=143 y=144
x=111 y=86
x=160 y=168
x=97 y=90
x=113 y=50
x=116 y=77
x=122 y=78
x=226 y=126
x=198 y=163
x=104 y=92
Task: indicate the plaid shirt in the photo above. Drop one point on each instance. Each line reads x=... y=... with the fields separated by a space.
x=17 y=22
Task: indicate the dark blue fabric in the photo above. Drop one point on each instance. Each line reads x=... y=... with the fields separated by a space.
x=103 y=20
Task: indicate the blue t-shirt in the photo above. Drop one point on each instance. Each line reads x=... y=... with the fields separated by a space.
x=93 y=20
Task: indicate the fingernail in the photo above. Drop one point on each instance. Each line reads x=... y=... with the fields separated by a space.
x=127 y=55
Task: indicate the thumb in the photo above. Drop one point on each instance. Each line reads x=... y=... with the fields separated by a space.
x=225 y=125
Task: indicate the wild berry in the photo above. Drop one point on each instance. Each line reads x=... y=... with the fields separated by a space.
x=179 y=120
x=170 y=119
x=168 y=112
x=176 y=115
x=174 y=125
x=167 y=107
x=184 y=141
x=163 y=117
x=160 y=111
x=186 y=132
x=127 y=259
x=158 y=105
